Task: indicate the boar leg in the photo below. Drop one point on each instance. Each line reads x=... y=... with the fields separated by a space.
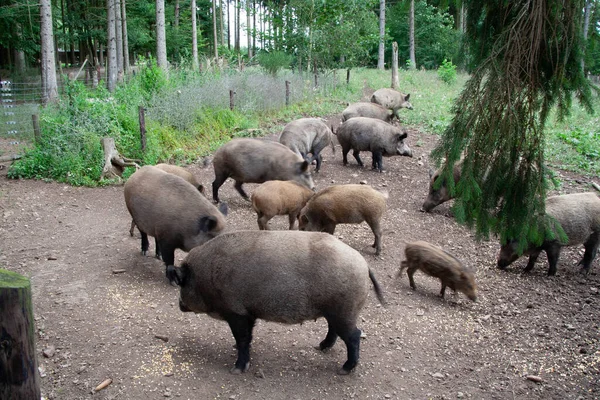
x=356 y=153
x=350 y=336
x=168 y=255
x=292 y=217
x=157 y=247
x=443 y=291
x=532 y=259
x=591 y=248
x=345 y=155
x=553 y=251
x=331 y=337
x=145 y=243
x=240 y=189
x=378 y=161
x=217 y=183
x=410 y=272
x=132 y=228
x=319 y=161
x=263 y=222
x=377 y=232
x=241 y=326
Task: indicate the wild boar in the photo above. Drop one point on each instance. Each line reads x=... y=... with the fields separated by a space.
x=374 y=135
x=345 y=204
x=280 y=276
x=279 y=198
x=438 y=263
x=171 y=210
x=392 y=99
x=306 y=136
x=442 y=193
x=579 y=216
x=257 y=161
x=181 y=172
x=370 y=110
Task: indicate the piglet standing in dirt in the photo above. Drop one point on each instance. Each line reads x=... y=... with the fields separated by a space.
x=579 y=216
x=370 y=110
x=279 y=198
x=374 y=135
x=437 y=263
x=181 y=172
x=392 y=99
x=257 y=161
x=345 y=204
x=280 y=276
x=306 y=136
x=171 y=210
x=441 y=194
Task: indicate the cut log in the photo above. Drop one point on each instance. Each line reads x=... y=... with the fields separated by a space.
x=19 y=377
x=10 y=158
x=114 y=162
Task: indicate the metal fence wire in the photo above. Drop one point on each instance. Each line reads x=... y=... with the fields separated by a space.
x=18 y=102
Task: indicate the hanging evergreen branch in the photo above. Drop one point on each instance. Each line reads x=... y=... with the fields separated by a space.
x=528 y=52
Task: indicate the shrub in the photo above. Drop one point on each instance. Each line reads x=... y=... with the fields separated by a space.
x=447 y=72
x=274 y=61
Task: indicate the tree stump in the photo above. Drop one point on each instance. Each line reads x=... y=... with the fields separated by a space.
x=19 y=376
x=114 y=162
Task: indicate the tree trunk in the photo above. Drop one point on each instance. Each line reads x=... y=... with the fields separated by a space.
x=411 y=22
x=119 y=39
x=238 y=6
x=114 y=162
x=111 y=47
x=395 y=81
x=194 y=37
x=228 y=27
x=214 y=18
x=254 y=27
x=221 y=25
x=49 y=84
x=176 y=27
x=18 y=363
x=125 y=37
x=161 y=39
x=248 y=29
x=381 y=56
x=586 y=27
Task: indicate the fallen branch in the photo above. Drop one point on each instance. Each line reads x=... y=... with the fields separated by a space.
x=10 y=158
x=595 y=186
x=114 y=162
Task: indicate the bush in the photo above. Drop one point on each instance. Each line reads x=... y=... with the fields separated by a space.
x=447 y=72
x=274 y=61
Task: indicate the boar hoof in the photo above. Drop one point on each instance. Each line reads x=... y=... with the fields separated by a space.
x=343 y=371
x=238 y=371
x=144 y=252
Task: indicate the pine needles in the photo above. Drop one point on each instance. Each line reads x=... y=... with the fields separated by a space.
x=529 y=61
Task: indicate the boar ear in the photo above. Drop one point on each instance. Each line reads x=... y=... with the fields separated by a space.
x=407 y=97
x=201 y=189
x=402 y=136
x=207 y=224
x=223 y=208
x=175 y=275
x=303 y=166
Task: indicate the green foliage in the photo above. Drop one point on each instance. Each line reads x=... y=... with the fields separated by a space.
x=274 y=61
x=447 y=72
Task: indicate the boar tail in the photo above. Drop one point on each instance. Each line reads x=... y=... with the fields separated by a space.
x=378 y=290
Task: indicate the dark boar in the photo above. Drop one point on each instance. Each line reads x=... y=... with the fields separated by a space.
x=437 y=263
x=345 y=204
x=181 y=172
x=392 y=99
x=279 y=198
x=370 y=110
x=306 y=136
x=442 y=193
x=280 y=276
x=171 y=210
x=374 y=135
x=579 y=216
x=257 y=161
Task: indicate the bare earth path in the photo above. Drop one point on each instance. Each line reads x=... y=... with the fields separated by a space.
x=102 y=324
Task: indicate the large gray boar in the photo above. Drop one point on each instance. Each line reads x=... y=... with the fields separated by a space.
x=257 y=161
x=376 y=136
x=345 y=204
x=279 y=198
x=171 y=210
x=441 y=194
x=306 y=136
x=579 y=216
x=280 y=276
x=437 y=263
x=182 y=173
x=370 y=110
x=392 y=99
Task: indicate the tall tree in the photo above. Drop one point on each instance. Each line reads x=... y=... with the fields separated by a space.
x=119 y=39
x=222 y=39
x=586 y=26
x=248 y=29
x=194 y=37
x=214 y=19
x=228 y=26
x=111 y=47
x=237 y=26
x=381 y=55
x=125 y=37
x=528 y=55
x=161 y=38
x=411 y=35
x=49 y=84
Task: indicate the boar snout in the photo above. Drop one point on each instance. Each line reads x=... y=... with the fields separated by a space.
x=183 y=307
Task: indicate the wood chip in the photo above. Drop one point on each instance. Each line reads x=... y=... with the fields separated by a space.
x=103 y=385
x=118 y=271
x=162 y=337
x=535 y=378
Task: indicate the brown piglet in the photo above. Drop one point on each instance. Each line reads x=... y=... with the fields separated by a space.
x=279 y=198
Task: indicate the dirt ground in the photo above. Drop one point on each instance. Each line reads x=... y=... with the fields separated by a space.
x=102 y=310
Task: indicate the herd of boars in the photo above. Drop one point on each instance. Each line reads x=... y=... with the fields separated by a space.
x=241 y=276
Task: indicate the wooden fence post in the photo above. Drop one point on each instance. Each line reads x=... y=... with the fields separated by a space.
x=348 y=76
x=36 y=127
x=231 y=100
x=142 y=127
x=19 y=375
x=287 y=93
